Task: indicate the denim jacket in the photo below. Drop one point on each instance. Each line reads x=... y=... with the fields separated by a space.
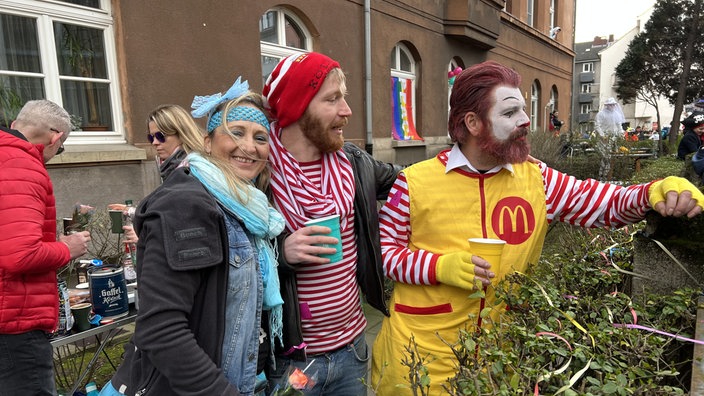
x=242 y=309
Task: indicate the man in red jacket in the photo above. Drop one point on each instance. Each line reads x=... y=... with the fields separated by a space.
x=30 y=253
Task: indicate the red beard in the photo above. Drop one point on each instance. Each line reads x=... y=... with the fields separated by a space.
x=513 y=150
x=320 y=135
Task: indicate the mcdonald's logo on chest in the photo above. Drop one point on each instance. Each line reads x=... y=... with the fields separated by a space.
x=513 y=220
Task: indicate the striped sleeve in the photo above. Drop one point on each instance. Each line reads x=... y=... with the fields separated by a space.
x=589 y=203
x=400 y=263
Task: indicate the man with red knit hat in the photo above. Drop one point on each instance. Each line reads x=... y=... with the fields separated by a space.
x=316 y=174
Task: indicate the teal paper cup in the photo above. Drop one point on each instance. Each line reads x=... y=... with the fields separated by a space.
x=333 y=223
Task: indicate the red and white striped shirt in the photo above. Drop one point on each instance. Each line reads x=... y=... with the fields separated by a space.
x=331 y=312
x=585 y=203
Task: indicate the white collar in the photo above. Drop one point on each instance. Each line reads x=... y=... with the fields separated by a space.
x=456 y=159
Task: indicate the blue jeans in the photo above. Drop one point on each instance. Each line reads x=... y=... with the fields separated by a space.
x=336 y=373
x=26 y=364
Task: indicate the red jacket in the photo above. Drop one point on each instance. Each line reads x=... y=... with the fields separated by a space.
x=29 y=252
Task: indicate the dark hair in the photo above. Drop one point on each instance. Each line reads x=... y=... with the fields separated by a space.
x=472 y=93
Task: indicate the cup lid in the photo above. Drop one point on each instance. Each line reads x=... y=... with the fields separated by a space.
x=319 y=219
x=492 y=241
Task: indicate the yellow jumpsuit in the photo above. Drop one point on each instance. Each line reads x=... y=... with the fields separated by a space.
x=444 y=211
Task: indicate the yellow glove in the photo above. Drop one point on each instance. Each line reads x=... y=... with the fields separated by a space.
x=658 y=190
x=456 y=269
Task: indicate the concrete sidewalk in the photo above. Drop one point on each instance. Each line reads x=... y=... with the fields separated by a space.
x=374 y=318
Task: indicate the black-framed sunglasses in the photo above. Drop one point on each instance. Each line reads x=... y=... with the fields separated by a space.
x=61 y=148
x=158 y=135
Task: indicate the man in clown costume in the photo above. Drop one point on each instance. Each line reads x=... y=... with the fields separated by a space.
x=483 y=187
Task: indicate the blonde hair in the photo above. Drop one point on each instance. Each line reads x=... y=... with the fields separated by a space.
x=234 y=181
x=175 y=120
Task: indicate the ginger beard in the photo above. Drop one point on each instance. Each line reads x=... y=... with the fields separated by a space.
x=323 y=137
x=513 y=150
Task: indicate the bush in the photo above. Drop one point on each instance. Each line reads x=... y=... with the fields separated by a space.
x=578 y=157
x=558 y=332
x=658 y=169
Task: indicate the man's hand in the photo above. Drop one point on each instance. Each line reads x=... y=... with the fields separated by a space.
x=463 y=270
x=676 y=196
x=77 y=243
x=129 y=234
x=300 y=247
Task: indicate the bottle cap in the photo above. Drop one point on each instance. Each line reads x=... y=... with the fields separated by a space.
x=94 y=262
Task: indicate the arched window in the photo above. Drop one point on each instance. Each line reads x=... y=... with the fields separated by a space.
x=403 y=94
x=454 y=68
x=281 y=33
x=534 y=109
x=553 y=99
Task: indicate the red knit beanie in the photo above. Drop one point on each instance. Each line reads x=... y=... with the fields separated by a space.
x=293 y=83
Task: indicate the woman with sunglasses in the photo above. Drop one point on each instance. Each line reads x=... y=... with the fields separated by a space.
x=173 y=133
x=207 y=266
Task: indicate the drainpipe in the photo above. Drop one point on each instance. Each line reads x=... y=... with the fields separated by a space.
x=369 y=145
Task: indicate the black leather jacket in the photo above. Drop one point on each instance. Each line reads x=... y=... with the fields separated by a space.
x=373 y=180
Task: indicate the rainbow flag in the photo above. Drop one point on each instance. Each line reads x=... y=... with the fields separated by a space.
x=403 y=127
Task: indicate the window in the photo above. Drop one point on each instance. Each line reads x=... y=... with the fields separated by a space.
x=585 y=108
x=587 y=67
x=64 y=52
x=453 y=70
x=281 y=34
x=614 y=80
x=586 y=88
x=530 y=10
x=403 y=94
x=534 y=96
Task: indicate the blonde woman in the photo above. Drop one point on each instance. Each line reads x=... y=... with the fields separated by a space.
x=174 y=134
x=207 y=266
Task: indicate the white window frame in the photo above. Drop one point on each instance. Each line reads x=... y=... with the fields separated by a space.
x=280 y=50
x=587 y=67
x=530 y=11
x=586 y=88
x=46 y=13
x=407 y=74
x=534 y=108
x=585 y=108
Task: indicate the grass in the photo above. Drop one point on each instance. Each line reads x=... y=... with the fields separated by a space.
x=71 y=360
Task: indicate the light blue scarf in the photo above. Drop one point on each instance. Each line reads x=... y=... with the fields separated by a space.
x=263 y=221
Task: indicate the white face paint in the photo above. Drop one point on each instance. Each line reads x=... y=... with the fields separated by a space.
x=508 y=112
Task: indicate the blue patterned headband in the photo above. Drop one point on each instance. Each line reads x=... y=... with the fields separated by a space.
x=239 y=113
x=206 y=105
